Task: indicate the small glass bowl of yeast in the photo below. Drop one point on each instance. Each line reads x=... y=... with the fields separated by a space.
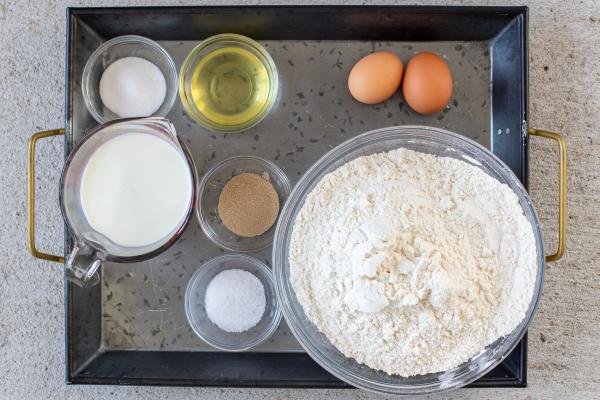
x=209 y=192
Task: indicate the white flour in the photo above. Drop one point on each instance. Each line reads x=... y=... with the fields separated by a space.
x=410 y=263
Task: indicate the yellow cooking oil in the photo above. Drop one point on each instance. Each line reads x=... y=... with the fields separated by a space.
x=230 y=86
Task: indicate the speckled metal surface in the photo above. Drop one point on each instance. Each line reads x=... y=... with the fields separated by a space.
x=142 y=303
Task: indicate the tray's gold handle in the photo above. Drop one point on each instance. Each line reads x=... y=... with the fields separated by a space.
x=31 y=196
x=562 y=188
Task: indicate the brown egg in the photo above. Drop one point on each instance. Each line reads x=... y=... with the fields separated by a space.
x=376 y=77
x=427 y=84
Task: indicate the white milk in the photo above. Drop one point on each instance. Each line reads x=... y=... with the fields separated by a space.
x=136 y=189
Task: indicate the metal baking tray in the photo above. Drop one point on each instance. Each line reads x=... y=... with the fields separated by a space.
x=132 y=329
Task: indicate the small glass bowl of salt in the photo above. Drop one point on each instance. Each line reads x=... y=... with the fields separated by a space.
x=230 y=302
x=129 y=77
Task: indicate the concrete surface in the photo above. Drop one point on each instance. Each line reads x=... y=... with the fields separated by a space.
x=564 y=96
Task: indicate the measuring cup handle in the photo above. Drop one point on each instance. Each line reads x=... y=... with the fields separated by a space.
x=82 y=269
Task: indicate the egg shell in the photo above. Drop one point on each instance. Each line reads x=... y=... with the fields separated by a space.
x=375 y=77
x=427 y=85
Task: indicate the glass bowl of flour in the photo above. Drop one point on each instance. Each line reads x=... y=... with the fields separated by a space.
x=408 y=260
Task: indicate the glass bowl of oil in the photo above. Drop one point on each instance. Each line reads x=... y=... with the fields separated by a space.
x=228 y=83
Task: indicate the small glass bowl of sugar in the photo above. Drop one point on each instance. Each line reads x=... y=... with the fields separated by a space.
x=230 y=302
x=129 y=77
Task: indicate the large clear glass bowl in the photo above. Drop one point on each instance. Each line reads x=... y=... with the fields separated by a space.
x=419 y=138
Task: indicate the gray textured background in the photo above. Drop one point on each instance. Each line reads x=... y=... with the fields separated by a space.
x=564 y=352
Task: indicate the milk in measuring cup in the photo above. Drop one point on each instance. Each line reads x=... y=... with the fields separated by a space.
x=136 y=189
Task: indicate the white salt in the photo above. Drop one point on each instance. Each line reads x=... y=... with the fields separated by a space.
x=235 y=300
x=133 y=87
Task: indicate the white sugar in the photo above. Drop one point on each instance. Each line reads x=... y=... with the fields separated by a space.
x=235 y=300
x=133 y=87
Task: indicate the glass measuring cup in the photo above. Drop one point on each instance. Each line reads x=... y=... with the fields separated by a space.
x=91 y=248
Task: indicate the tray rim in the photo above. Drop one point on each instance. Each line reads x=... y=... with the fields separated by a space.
x=72 y=377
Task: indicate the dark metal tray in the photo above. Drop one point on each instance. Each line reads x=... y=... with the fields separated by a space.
x=131 y=329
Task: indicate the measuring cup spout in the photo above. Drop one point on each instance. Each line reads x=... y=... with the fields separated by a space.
x=164 y=126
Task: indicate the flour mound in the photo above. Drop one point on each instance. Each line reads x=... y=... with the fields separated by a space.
x=411 y=263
